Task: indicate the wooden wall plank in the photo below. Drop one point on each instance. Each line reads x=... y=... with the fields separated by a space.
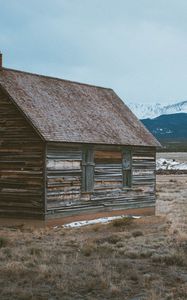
x=63 y=173
x=64 y=182
x=21 y=164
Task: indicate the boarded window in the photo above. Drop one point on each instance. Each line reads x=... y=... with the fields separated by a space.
x=108 y=157
x=127 y=167
x=87 y=170
x=108 y=170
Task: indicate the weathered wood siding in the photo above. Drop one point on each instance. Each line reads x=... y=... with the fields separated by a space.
x=108 y=174
x=21 y=164
x=63 y=171
x=64 y=177
x=109 y=189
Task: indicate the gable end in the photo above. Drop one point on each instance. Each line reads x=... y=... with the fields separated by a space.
x=6 y=95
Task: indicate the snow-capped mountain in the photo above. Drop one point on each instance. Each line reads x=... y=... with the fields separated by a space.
x=144 y=111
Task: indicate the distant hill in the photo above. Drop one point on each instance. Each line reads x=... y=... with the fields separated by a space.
x=168 y=123
x=168 y=126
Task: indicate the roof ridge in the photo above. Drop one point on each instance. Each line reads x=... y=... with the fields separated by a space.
x=56 y=78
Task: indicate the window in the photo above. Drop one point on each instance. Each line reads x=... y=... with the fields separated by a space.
x=109 y=169
x=87 y=170
x=127 y=167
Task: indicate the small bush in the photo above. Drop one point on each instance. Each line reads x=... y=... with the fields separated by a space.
x=14 y=268
x=88 y=248
x=137 y=233
x=114 y=289
x=133 y=276
x=113 y=239
x=96 y=227
x=132 y=254
x=146 y=254
x=177 y=259
x=105 y=249
x=120 y=244
x=3 y=241
x=125 y=221
x=35 y=251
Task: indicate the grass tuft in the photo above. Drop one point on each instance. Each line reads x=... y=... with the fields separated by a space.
x=137 y=233
x=123 y=222
x=88 y=248
x=3 y=241
x=174 y=259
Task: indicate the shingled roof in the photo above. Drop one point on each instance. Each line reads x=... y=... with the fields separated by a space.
x=67 y=111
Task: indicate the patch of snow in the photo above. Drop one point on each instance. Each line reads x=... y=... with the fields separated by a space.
x=162 y=131
x=96 y=221
x=170 y=164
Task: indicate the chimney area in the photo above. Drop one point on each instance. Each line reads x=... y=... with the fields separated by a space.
x=1 y=60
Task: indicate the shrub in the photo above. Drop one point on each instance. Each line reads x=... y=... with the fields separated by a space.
x=137 y=233
x=133 y=275
x=3 y=241
x=88 y=248
x=35 y=251
x=125 y=221
x=113 y=239
x=176 y=258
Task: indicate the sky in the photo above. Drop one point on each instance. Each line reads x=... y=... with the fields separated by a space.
x=136 y=47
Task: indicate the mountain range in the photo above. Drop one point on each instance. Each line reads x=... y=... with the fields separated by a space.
x=143 y=111
x=167 y=123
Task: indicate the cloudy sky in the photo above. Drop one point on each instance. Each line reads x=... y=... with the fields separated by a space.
x=136 y=47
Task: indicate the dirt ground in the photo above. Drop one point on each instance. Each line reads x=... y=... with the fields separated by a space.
x=142 y=259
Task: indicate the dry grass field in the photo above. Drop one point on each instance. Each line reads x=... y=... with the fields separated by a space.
x=172 y=194
x=172 y=200
x=126 y=259
x=133 y=259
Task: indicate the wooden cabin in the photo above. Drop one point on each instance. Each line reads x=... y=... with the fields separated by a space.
x=68 y=148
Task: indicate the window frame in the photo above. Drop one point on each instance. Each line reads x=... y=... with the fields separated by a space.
x=126 y=168
x=88 y=166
